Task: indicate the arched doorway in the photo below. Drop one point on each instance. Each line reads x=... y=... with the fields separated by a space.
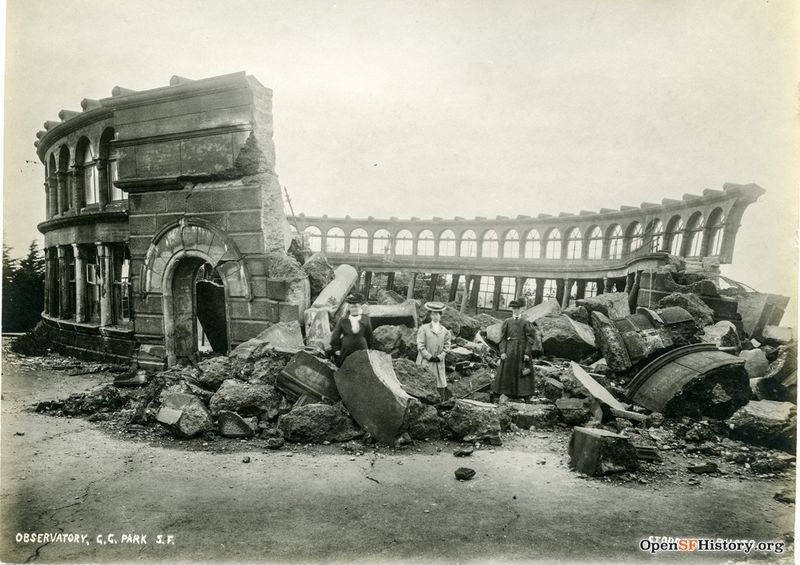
x=194 y=308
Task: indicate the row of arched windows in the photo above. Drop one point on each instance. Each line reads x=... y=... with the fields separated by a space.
x=612 y=244
x=90 y=181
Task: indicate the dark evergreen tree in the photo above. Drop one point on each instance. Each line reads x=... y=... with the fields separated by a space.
x=23 y=289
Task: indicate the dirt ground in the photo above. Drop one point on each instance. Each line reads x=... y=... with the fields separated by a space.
x=343 y=503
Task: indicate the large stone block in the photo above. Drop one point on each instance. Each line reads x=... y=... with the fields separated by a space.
x=244 y=398
x=549 y=307
x=392 y=314
x=470 y=419
x=307 y=375
x=320 y=273
x=318 y=328
x=702 y=314
x=612 y=305
x=527 y=416
x=566 y=338
x=722 y=334
x=777 y=336
x=460 y=324
x=283 y=336
x=332 y=296
x=317 y=423
x=372 y=394
x=184 y=415
x=416 y=380
x=755 y=363
x=599 y=452
x=767 y=423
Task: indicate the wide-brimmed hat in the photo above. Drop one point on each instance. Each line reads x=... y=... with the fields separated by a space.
x=516 y=304
x=435 y=307
x=355 y=298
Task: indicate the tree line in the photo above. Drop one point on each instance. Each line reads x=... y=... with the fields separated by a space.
x=23 y=289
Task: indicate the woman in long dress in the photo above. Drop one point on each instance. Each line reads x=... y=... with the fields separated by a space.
x=515 y=375
x=352 y=333
x=433 y=343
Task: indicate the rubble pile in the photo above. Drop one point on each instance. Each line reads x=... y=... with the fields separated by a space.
x=668 y=371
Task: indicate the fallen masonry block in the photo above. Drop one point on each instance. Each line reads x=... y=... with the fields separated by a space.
x=245 y=399
x=767 y=423
x=477 y=381
x=759 y=309
x=549 y=307
x=647 y=453
x=777 y=336
x=473 y=419
x=755 y=363
x=596 y=389
x=317 y=423
x=613 y=305
x=694 y=380
x=286 y=337
x=389 y=297
x=552 y=388
x=574 y=411
x=724 y=335
x=184 y=415
x=416 y=380
x=493 y=333
x=458 y=355
x=702 y=468
x=230 y=424
x=768 y=388
x=318 y=328
x=537 y=416
x=596 y=452
x=422 y=421
x=372 y=394
x=397 y=341
x=392 y=314
x=306 y=374
x=319 y=272
x=460 y=325
x=565 y=338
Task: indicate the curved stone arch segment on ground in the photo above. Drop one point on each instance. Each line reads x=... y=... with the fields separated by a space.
x=198 y=238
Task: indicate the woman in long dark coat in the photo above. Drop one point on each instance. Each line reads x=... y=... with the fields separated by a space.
x=518 y=341
x=351 y=333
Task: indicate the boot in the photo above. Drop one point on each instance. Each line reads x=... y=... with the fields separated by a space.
x=441 y=391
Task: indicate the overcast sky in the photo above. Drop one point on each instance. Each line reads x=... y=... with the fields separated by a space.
x=462 y=108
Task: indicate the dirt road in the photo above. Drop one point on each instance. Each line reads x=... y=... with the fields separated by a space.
x=323 y=505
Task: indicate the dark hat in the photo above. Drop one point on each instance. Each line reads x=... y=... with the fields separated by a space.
x=516 y=304
x=435 y=307
x=355 y=298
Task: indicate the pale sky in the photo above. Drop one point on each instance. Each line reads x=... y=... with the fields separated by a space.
x=461 y=108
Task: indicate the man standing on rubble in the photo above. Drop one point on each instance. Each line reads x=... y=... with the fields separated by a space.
x=433 y=342
x=518 y=343
x=352 y=333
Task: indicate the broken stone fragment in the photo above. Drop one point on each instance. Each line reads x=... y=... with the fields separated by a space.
x=320 y=273
x=722 y=334
x=404 y=314
x=574 y=411
x=767 y=423
x=230 y=424
x=755 y=363
x=578 y=313
x=244 y=398
x=184 y=415
x=473 y=419
x=565 y=338
x=767 y=388
x=613 y=305
x=283 y=336
x=275 y=442
x=214 y=371
x=702 y=468
x=470 y=384
x=422 y=421
x=333 y=295
x=458 y=355
x=549 y=307
x=310 y=376
x=777 y=336
x=493 y=333
x=317 y=423
x=702 y=314
x=372 y=394
x=464 y=473
x=318 y=328
x=416 y=380
x=460 y=324
x=551 y=388
x=395 y=340
x=609 y=341
x=527 y=416
x=594 y=452
x=486 y=320
x=463 y=451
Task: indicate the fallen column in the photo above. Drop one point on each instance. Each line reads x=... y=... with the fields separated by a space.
x=694 y=380
x=392 y=314
x=372 y=394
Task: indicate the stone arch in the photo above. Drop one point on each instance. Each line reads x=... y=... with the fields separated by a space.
x=193 y=237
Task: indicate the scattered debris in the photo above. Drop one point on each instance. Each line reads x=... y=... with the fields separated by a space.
x=767 y=423
x=703 y=468
x=464 y=451
x=184 y=415
x=464 y=473
x=595 y=451
x=306 y=374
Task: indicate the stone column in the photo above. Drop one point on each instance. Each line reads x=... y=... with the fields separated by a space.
x=629 y=278
x=602 y=284
x=390 y=281
x=80 y=283
x=48 y=272
x=75 y=180
x=465 y=298
x=519 y=285
x=566 y=294
x=106 y=283
x=454 y=287
x=498 y=284
x=63 y=272
x=432 y=288
x=412 y=280
x=367 y=284
x=539 y=293
x=61 y=183
x=52 y=187
x=476 y=286
x=103 y=183
x=47 y=200
x=560 y=290
x=580 y=291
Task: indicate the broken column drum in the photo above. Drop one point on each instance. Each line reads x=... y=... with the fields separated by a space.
x=694 y=380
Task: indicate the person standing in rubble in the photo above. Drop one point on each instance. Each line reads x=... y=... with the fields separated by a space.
x=433 y=343
x=518 y=343
x=352 y=333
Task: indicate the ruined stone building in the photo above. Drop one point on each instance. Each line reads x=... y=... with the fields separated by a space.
x=163 y=206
